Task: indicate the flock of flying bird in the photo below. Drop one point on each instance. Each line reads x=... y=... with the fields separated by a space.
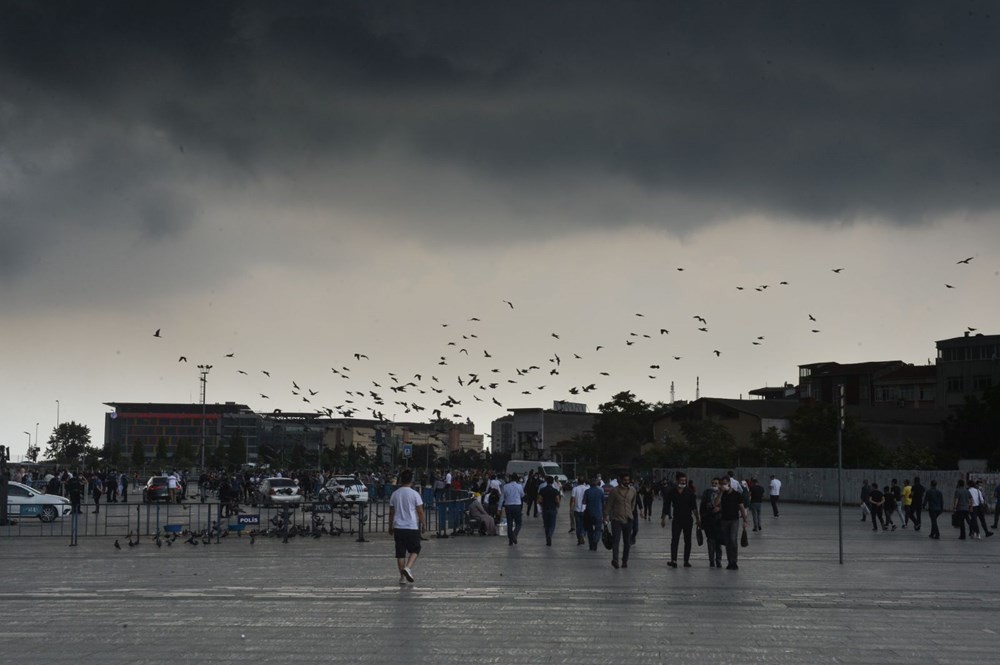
x=466 y=372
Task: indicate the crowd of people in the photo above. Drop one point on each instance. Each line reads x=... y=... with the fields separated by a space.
x=907 y=502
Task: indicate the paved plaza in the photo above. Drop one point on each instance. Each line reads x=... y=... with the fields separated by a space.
x=899 y=597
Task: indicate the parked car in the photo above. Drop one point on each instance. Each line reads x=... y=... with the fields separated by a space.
x=277 y=492
x=343 y=489
x=24 y=501
x=158 y=489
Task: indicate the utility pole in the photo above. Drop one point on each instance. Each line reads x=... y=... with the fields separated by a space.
x=204 y=369
x=840 y=469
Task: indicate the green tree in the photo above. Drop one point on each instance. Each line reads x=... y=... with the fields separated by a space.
x=768 y=448
x=973 y=431
x=184 y=453
x=709 y=443
x=69 y=443
x=812 y=440
x=138 y=455
x=236 y=451
x=113 y=453
x=622 y=427
x=32 y=453
x=160 y=452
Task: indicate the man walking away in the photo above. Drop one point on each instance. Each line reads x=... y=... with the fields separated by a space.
x=96 y=490
x=934 y=502
x=511 y=503
x=548 y=498
x=756 y=501
x=711 y=523
x=593 y=512
x=406 y=521
x=775 y=490
x=619 y=510
x=866 y=491
x=917 y=504
x=576 y=504
x=875 y=501
x=961 y=504
x=979 y=507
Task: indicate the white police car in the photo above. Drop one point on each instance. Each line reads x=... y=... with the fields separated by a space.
x=24 y=502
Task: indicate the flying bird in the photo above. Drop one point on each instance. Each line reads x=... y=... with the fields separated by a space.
x=555 y=335
x=509 y=303
x=717 y=353
x=359 y=356
x=182 y=359
x=230 y=355
x=664 y=331
x=812 y=318
x=965 y=261
x=157 y=333
x=948 y=286
x=837 y=270
x=241 y=372
x=265 y=373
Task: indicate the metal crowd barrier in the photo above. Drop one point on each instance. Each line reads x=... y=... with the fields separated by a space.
x=444 y=514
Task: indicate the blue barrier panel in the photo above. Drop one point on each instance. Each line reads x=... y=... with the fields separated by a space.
x=173 y=528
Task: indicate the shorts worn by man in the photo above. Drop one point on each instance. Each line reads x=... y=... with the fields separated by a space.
x=406 y=519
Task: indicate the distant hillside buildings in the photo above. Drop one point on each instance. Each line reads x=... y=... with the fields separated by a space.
x=147 y=425
x=899 y=403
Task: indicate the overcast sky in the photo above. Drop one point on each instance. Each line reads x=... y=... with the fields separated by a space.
x=294 y=183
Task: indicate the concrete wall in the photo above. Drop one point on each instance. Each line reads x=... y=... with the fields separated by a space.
x=820 y=485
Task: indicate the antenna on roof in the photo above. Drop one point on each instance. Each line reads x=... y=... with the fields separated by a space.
x=697 y=387
x=671 y=392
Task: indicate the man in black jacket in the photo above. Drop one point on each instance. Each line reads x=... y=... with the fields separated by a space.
x=916 y=502
x=681 y=505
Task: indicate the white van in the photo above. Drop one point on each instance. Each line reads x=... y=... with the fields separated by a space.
x=522 y=466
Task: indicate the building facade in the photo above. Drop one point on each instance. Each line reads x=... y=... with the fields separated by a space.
x=966 y=366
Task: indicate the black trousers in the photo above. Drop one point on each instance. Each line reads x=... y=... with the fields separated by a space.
x=915 y=509
x=934 y=525
x=678 y=527
x=774 y=504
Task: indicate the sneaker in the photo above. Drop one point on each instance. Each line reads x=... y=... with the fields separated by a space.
x=989 y=533
x=732 y=566
x=614 y=563
x=687 y=564
x=408 y=574
x=672 y=564
x=402 y=580
x=711 y=564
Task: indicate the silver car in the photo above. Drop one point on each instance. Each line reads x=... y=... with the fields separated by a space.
x=278 y=492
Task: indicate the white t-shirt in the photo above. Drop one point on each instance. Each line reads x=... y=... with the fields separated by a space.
x=404 y=502
x=577 y=496
x=775 y=487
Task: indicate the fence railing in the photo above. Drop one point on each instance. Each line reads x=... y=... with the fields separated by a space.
x=444 y=514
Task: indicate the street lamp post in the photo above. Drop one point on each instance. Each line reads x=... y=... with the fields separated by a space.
x=29 y=440
x=204 y=369
x=57 y=413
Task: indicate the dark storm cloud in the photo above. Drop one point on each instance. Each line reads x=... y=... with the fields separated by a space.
x=820 y=111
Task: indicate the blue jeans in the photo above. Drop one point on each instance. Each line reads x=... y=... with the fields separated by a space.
x=549 y=518
x=513 y=522
x=578 y=524
x=755 y=512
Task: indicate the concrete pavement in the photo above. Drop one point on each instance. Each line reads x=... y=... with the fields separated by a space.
x=899 y=597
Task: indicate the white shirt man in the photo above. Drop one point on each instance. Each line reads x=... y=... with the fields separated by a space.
x=577 y=505
x=406 y=519
x=775 y=491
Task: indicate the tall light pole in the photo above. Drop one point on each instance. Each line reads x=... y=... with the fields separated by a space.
x=29 y=439
x=57 y=413
x=36 y=434
x=204 y=369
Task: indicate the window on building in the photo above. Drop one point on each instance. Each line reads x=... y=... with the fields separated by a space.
x=955 y=384
x=982 y=382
